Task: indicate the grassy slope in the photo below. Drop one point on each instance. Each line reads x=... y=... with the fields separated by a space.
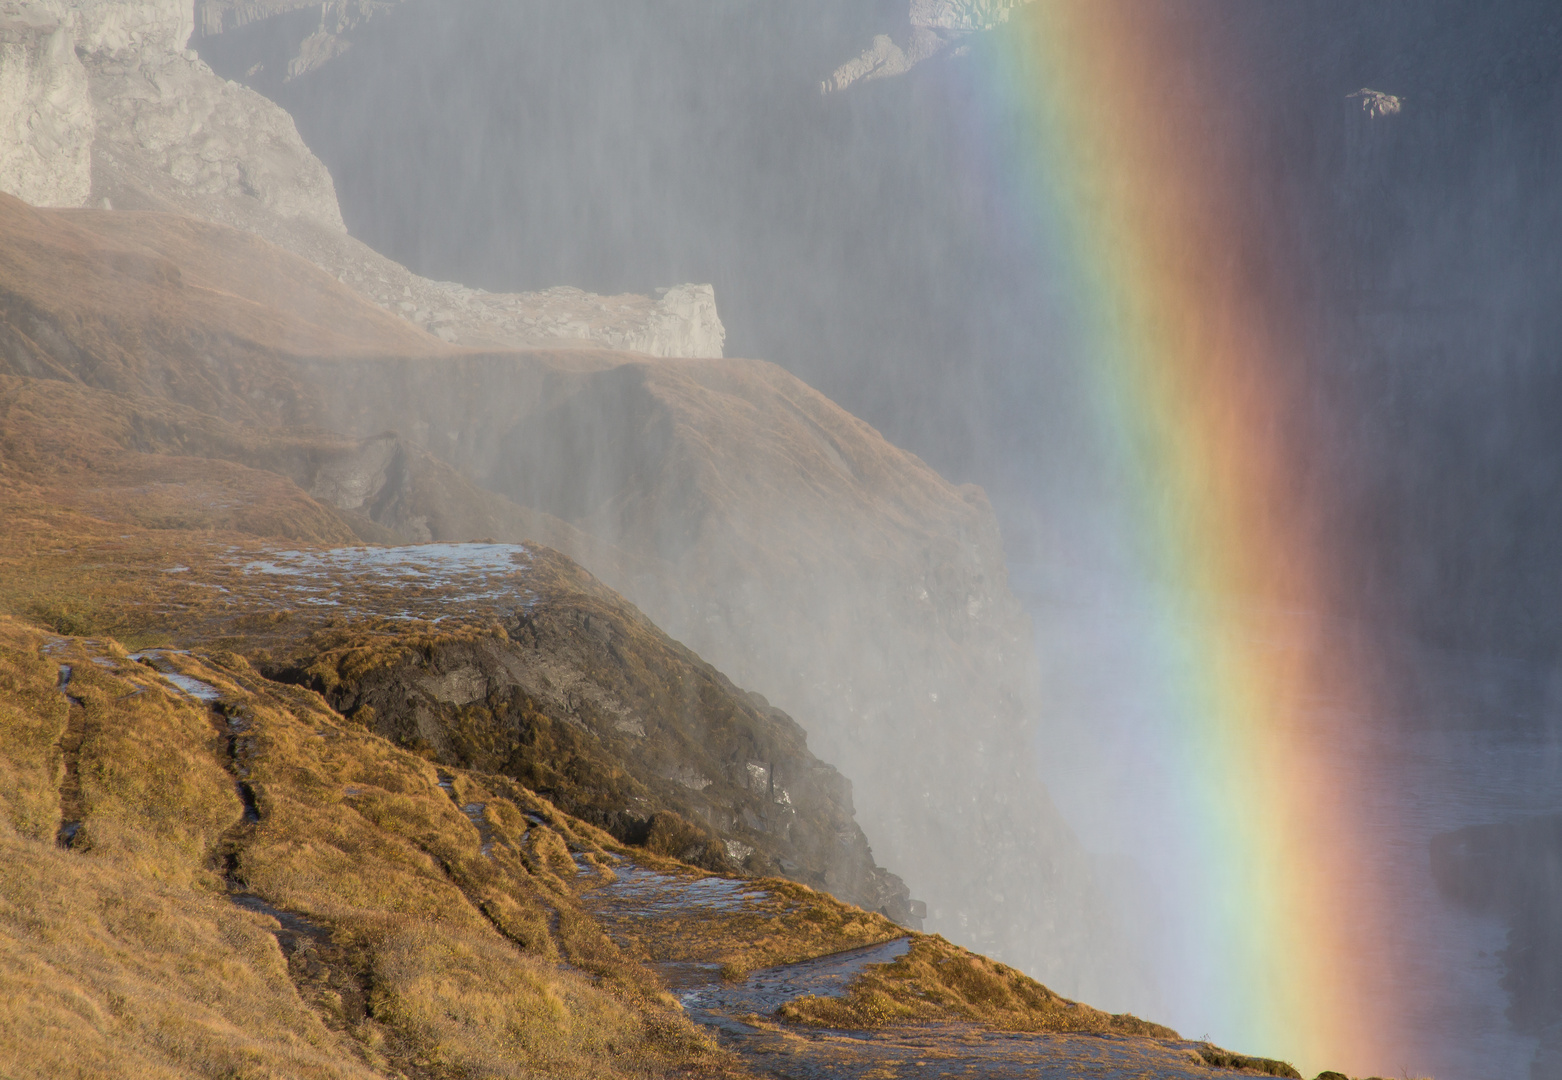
x=125 y=955
x=124 y=951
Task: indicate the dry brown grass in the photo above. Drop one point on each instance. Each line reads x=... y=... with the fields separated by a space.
x=357 y=836
x=32 y=719
x=154 y=793
x=123 y=956
x=782 y=922
x=106 y=973
x=937 y=981
x=119 y=959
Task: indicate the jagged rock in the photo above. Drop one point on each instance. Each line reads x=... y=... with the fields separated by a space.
x=172 y=133
x=936 y=25
x=680 y=321
x=104 y=105
x=46 y=120
x=962 y=14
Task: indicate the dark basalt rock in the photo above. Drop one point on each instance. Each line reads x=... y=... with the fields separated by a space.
x=584 y=700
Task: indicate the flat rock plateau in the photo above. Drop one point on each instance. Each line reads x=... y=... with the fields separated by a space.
x=401 y=680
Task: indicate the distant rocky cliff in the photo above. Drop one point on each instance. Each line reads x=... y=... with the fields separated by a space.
x=106 y=106
x=46 y=119
x=936 y=25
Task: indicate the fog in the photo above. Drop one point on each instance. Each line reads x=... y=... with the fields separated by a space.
x=873 y=241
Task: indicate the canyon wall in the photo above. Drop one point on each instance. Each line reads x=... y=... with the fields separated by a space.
x=46 y=119
x=106 y=106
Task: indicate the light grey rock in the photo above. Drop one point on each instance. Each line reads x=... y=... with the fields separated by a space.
x=936 y=25
x=102 y=104
x=1376 y=103
x=172 y=132
x=46 y=120
x=459 y=687
x=963 y=15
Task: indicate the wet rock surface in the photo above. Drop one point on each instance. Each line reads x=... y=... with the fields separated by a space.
x=1514 y=870
x=578 y=696
x=743 y=1011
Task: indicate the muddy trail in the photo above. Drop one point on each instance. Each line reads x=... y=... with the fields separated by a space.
x=742 y=957
x=742 y=1012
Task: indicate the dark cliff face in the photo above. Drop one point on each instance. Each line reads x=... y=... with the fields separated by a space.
x=582 y=699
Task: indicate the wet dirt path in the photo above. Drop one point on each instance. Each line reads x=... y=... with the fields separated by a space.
x=742 y=1013
x=71 y=808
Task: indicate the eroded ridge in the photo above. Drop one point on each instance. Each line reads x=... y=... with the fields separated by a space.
x=72 y=810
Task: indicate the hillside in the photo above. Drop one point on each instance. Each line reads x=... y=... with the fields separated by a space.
x=387 y=689
x=756 y=522
x=210 y=873
x=429 y=811
x=746 y=514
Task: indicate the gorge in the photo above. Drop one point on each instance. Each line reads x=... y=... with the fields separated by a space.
x=345 y=375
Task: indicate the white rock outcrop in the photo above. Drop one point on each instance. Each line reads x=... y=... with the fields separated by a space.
x=46 y=120
x=675 y=322
x=1376 y=103
x=126 y=28
x=170 y=131
x=936 y=25
x=101 y=103
x=962 y=15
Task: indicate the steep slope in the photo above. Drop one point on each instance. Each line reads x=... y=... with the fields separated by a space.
x=206 y=873
x=105 y=106
x=583 y=698
x=253 y=886
x=743 y=512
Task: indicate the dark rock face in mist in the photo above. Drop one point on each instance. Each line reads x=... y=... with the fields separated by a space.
x=1514 y=870
x=585 y=702
x=867 y=242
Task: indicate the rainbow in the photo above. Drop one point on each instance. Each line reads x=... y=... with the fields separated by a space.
x=1128 y=166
